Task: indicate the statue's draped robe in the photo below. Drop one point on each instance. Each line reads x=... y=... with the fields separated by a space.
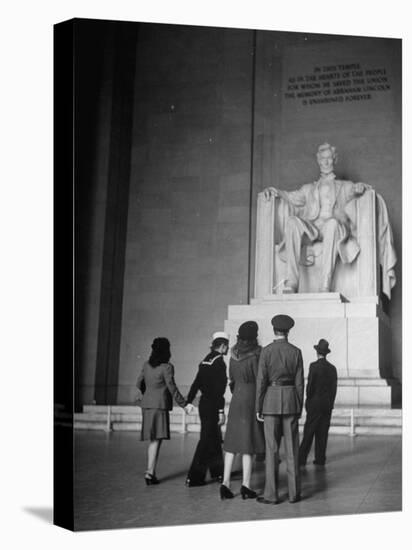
x=305 y=205
x=386 y=250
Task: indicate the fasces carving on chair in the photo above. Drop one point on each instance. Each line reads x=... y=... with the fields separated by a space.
x=319 y=233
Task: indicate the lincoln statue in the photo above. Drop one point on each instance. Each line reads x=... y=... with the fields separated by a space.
x=318 y=214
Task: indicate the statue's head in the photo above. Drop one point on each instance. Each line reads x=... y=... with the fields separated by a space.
x=326 y=157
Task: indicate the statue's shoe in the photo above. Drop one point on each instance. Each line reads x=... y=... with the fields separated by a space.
x=326 y=284
x=289 y=289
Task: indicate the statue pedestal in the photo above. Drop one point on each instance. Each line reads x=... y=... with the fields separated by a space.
x=358 y=333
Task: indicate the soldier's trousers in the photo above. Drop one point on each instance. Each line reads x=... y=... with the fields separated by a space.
x=275 y=426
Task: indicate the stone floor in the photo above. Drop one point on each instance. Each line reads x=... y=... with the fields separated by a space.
x=363 y=475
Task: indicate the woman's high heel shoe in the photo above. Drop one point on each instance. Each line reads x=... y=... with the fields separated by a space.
x=225 y=492
x=247 y=493
x=150 y=479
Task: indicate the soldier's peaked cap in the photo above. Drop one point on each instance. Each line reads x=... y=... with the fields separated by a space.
x=282 y=322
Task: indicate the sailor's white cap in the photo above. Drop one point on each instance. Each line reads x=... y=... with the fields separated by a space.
x=220 y=334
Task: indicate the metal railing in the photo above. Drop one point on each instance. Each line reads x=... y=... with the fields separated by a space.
x=185 y=421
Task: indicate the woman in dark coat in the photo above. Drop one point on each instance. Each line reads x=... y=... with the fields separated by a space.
x=244 y=435
x=156 y=382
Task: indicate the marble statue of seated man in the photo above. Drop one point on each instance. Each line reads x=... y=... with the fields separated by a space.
x=319 y=215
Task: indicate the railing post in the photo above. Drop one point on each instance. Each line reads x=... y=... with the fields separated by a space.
x=109 y=419
x=184 y=427
x=352 y=431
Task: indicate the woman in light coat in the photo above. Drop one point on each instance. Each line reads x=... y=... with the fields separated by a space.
x=156 y=383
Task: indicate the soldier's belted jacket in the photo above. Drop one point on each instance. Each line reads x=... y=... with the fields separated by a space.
x=280 y=362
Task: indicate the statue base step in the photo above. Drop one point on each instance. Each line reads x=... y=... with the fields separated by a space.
x=358 y=332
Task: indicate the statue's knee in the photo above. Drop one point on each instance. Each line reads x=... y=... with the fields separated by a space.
x=332 y=225
x=292 y=222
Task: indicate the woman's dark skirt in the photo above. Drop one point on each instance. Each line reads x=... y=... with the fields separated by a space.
x=155 y=424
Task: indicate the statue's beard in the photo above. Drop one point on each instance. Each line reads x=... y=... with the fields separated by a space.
x=326 y=171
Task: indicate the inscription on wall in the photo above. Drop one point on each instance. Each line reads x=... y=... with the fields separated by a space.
x=337 y=84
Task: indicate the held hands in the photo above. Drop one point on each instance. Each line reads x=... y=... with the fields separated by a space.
x=259 y=417
x=222 y=419
x=188 y=408
x=270 y=192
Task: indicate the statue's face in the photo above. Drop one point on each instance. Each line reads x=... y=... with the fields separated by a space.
x=325 y=161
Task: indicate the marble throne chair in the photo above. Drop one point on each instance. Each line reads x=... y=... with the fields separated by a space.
x=350 y=316
x=353 y=281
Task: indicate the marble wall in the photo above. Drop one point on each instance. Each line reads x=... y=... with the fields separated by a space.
x=207 y=115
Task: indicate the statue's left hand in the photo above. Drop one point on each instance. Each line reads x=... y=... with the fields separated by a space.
x=360 y=188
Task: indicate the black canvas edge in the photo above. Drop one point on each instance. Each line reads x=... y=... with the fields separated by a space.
x=63 y=202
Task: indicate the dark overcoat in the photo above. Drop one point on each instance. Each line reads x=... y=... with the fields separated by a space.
x=321 y=387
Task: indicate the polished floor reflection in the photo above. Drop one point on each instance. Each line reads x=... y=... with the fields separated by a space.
x=362 y=475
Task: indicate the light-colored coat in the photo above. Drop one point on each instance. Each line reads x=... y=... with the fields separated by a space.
x=160 y=386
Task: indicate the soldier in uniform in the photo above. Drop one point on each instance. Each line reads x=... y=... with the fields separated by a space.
x=211 y=381
x=320 y=398
x=279 y=400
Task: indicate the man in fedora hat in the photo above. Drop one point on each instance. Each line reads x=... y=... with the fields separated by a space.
x=211 y=381
x=320 y=398
x=279 y=400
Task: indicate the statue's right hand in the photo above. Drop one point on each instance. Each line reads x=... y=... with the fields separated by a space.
x=270 y=192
